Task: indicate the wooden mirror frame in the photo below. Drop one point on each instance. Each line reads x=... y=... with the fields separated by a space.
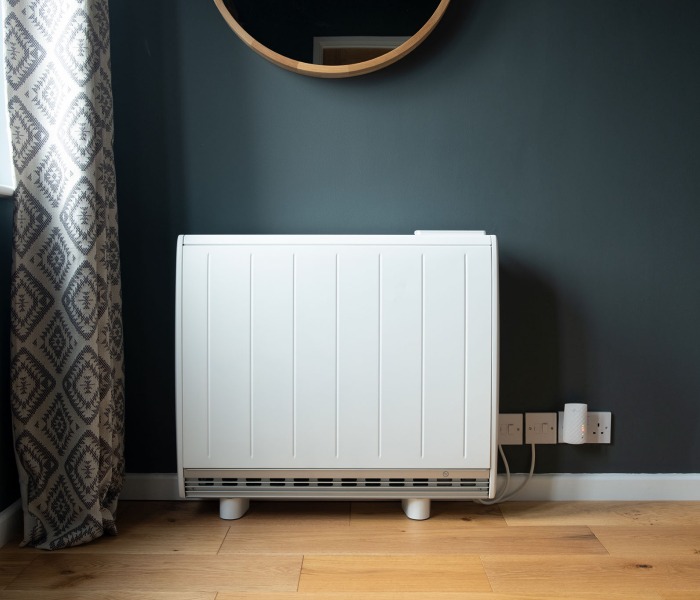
x=335 y=71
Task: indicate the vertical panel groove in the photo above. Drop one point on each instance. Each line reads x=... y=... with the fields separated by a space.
x=422 y=355
x=379 y=366
x=208 y=356
x=294 y=355
x=251 y=297
x=337 y=355
x=466 y=350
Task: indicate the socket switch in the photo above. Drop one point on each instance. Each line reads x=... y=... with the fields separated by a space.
x=510 y=429
x=541 y=428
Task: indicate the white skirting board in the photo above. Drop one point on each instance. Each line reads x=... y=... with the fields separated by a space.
x=10 y=522
x=545 y=487
x=608 y=486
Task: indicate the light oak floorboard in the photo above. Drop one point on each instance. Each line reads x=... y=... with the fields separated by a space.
x=262 y=513
x=205 y=540
x=104 y=595
x=371 y=551
x=159 y=573
x=132 y=513
x=602 y=513
x=12 y=562
x=586 y=574
x=392 y=574
x=432 y=595
x=650 y=541
x=380 y=540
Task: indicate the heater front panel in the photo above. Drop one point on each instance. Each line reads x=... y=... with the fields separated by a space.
x=333 y=356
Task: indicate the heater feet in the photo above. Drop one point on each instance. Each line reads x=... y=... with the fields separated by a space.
x=233 y=508
x=417 y=509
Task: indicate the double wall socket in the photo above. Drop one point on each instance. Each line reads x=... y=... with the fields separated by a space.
x=542 y=428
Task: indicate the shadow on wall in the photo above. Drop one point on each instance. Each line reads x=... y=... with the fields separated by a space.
x=542 y=355
x=530 y=354
x=150 y=187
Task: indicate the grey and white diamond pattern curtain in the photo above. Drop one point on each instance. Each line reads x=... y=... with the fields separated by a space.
x=67 y=360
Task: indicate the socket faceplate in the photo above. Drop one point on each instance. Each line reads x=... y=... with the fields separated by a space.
x=598 y=427
x=510 y=429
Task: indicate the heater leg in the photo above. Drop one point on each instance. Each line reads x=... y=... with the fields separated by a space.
x=233 y=508
x=417 y=509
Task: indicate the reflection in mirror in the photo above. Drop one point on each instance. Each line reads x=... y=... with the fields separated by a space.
x=289 y=27
x=349 y=49
x=337 y=35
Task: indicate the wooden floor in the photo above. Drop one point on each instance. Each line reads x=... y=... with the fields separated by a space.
x=369 y=550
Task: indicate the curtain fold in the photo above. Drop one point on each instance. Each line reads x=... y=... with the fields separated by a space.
x=67 y=370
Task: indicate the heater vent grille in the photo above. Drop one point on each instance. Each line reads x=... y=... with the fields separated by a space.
x=334 y=486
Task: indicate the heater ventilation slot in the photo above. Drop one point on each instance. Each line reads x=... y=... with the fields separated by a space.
x=205 y=486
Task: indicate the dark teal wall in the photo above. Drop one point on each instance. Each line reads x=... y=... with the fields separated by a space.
x=9 y=489
x=570 y=129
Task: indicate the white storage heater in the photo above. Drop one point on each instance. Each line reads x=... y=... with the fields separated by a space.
x=337 y=367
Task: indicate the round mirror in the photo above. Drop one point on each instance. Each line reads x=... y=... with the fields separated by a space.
x=332 y=38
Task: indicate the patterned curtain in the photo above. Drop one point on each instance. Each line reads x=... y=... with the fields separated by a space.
x=67 y=370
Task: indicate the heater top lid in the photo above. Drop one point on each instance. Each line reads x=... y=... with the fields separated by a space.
x=421 y=237
x=449 y=232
